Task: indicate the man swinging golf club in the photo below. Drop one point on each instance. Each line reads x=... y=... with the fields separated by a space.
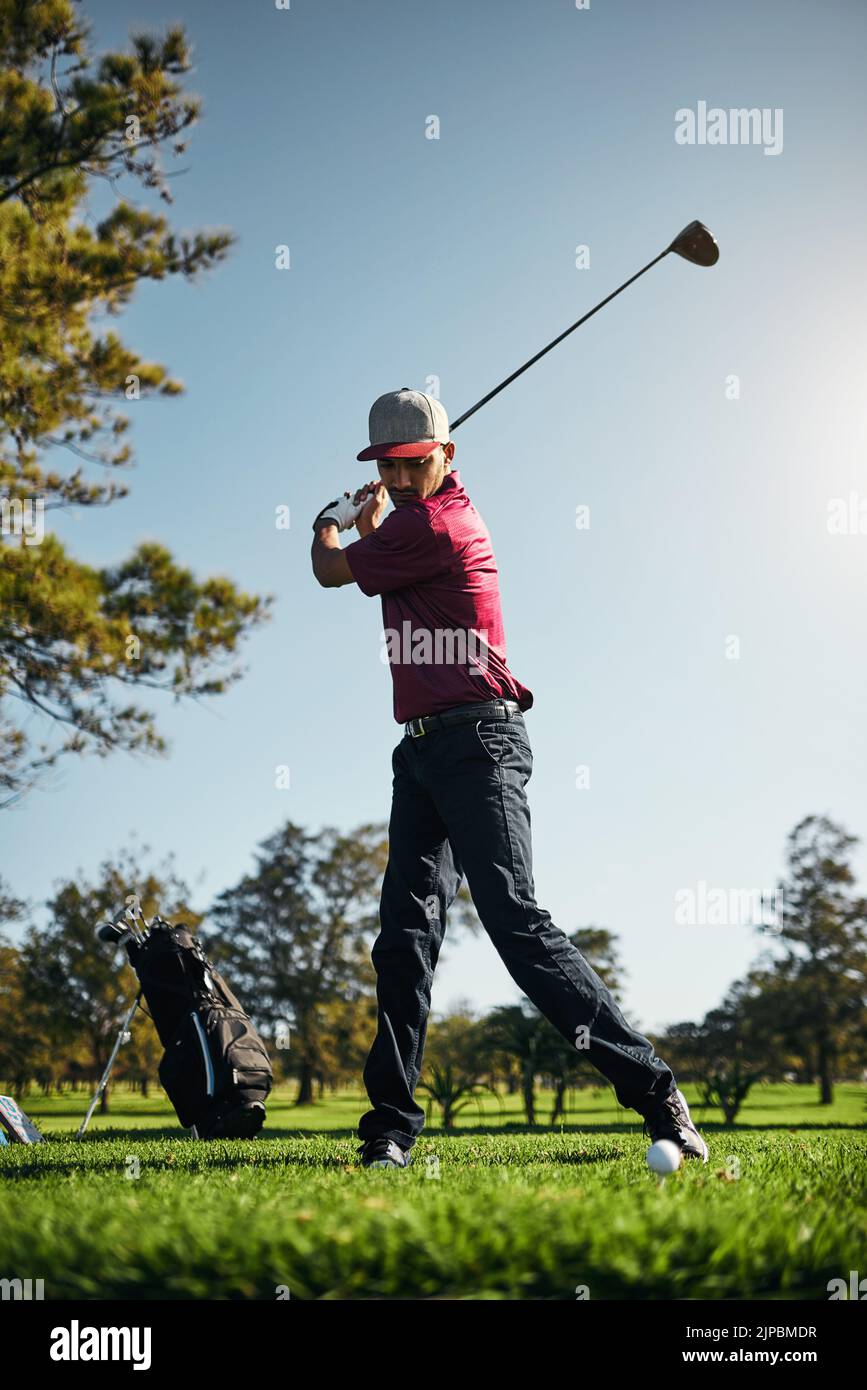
x=459 y=805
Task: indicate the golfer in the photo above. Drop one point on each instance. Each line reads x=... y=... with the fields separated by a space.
x=459 y=804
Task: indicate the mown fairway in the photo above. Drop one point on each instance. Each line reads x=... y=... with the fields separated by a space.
x=492 y=1211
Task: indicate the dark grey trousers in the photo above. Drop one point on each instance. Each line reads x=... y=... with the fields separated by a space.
x=459 y=807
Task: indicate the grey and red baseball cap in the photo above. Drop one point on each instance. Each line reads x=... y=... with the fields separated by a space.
x=405 y=424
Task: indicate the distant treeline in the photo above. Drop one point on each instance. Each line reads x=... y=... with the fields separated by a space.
x=294 y=935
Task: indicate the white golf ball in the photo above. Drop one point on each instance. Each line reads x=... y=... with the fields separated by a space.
x=664 y=1156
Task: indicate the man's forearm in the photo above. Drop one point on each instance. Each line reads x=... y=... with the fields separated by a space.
x=330 y=566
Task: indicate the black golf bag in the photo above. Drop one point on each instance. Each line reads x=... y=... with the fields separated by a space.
x=215 y=1070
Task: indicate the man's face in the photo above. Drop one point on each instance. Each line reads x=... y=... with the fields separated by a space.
x=409 y=478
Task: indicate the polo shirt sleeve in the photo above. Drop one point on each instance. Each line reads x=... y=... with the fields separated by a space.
x=403 y=551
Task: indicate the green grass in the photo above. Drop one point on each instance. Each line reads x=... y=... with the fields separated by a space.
x=492 y=1211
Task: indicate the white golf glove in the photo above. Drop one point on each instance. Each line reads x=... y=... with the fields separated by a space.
x=342 y=512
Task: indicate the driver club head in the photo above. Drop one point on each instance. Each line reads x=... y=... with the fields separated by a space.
x=109 y=931
x=114 y=933
x=697 y=244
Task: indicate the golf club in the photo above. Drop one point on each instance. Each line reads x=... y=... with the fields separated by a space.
x=136 y=934
x=145 y=928
x=122 y=1037
x=123 y=929
x=695 y=243
x=132 y=914
x=114 y=933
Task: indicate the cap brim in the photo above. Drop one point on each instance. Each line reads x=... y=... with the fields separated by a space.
x=418 y=448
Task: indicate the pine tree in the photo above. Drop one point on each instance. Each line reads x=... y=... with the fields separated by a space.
x=74 y=637
x=824 y=935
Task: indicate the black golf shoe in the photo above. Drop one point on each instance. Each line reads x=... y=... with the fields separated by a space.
x=383 y=1153
x=671 y=1120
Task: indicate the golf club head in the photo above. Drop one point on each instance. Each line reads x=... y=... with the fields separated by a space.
x=135 y=919
x=695 y=243
x=111 y=932
x=115 y=933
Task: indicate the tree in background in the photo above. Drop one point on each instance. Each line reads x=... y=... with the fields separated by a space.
x=682 y=1046
x=12 y=909
x=138 y=1060
x=73 y=638
x=453 y=1062
x=24 y=1036
x=295 y=937
x=76 y=978
x=749 y=1038
x=824 y=932
x=295 y=933
x=800 y=1012
x=599 y=947
x=519 y=1031
x=565 y=1064
x=345 y=1031
x=741 y=1044
x=18 y=1047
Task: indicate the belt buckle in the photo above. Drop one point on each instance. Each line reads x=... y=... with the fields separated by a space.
x=414 y=732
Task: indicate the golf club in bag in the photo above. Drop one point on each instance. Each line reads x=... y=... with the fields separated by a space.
x=215 y=1069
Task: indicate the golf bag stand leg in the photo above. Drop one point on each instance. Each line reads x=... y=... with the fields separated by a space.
x=103 y=1082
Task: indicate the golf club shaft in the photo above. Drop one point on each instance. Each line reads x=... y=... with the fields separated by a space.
x=103 y=1080
x=601 y=305
x=134 y=926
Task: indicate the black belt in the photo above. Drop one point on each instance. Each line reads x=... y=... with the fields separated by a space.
x=491 y=709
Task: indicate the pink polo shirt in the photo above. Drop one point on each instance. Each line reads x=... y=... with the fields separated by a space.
x=433 y=563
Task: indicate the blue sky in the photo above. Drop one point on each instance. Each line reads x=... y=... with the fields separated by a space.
x=455 y=258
